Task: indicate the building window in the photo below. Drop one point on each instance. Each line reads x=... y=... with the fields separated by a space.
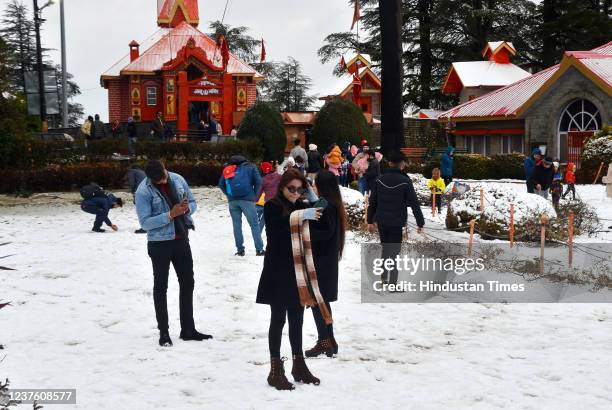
x=581 y=117
x=152 y=96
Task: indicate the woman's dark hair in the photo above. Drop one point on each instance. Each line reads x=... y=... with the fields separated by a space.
x=327 y=187
x=288 y=176
x=120 y=202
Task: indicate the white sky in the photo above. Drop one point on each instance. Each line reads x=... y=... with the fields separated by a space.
x=98 y=33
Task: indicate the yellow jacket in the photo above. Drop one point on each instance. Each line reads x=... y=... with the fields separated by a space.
x=438 y=184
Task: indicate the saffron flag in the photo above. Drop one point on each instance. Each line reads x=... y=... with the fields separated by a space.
x=356 y=88
x=342 y=63
x=225 y=52
x=263 y=51
x=356 y=14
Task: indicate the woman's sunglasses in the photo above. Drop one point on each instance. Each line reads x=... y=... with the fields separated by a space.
x=294 y=190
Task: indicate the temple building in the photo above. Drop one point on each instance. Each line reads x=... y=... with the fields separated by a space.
x=556 y=109
x=182 y=73
x=361 y=85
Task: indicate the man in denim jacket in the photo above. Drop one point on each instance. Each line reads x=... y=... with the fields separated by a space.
x=165 y=205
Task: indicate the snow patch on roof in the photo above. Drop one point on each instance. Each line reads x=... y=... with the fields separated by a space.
x=488 y=73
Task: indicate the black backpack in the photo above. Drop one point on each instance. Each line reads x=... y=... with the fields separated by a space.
x=91 y=191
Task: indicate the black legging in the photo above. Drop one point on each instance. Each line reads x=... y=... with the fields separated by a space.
x=324 y=331
x=277 y=322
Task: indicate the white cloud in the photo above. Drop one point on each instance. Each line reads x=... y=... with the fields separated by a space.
x=98 y=33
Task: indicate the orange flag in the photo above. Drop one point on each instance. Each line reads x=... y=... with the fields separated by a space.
x=356 y=14
x=263 y=51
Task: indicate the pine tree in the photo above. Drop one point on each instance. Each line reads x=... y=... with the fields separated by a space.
x=289 y=87
x=240 y=43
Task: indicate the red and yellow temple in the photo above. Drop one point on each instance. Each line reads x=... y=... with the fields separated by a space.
x=182 y=73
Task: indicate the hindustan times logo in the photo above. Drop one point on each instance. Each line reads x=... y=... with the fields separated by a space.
x=403 y=263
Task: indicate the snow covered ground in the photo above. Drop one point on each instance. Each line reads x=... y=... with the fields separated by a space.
x=82 y=317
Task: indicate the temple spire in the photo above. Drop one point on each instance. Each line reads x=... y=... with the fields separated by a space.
x=171 y=13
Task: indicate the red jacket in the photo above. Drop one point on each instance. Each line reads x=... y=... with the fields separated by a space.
x=570 y=177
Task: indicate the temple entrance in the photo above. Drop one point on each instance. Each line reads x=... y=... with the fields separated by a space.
x=198 y=111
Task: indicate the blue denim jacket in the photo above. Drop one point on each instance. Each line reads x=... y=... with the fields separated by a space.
x=153 y=210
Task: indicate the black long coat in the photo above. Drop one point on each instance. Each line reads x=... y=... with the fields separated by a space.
x=277 y=285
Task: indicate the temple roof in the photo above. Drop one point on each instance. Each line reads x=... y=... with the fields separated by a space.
x=513 y=100
x=173 y=12
x=481 y=74
x=163 y=46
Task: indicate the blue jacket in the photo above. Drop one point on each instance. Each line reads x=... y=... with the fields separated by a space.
x=104 y=202
x=153 y=210
x=446 y=163
x=252 y=175
x=530 y=164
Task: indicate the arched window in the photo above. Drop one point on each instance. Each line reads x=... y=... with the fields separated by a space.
x=579 y=119
x=580 y=115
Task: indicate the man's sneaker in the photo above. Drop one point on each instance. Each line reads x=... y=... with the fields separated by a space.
x=194 y=335
x=261 y=253
x=98 y=230
x=164 y=339
x=239 y=253
x=140 y=231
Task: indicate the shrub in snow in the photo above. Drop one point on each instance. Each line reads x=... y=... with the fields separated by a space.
x=494 y=222
x=476 y=166
x=354 y=204
x=5 y=396
x=597 y=149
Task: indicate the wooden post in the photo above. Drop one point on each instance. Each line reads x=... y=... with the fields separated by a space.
x=542 y=242
x=511 y=225
x=598 y=173
x=570 y=241
x=481 y=199
x=433 y=204
x=472 y=223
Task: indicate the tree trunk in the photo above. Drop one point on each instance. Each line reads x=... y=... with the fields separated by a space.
x=392 y=109
x=425 y=64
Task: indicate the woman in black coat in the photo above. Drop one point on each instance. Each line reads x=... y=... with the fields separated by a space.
x=278 y=285
x=327 y=235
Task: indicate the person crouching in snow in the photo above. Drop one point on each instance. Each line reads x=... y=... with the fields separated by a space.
x=436 y=184
x=570 y=180
x=556 y=188
x=98 y=203
x=278 y=284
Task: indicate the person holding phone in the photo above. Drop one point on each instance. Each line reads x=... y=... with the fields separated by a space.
x=165 y=206
x=277 y=285
x=327 y=236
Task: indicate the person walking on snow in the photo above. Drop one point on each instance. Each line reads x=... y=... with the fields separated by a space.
x=165 y=208
x=298 y=151
x=446 y=163
x=570 y=180
x=437 y=185
x=542 y=177
x=530 y=163
x=327 y=235
x=315 y=162
x=240 y=182
x=390 y=198
x=269 y=187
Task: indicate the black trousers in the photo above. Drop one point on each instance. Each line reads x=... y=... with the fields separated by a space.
x=100 y=213
x=323 y=331
x=277 y=323
x=391 y=241
x=447 y=180
x=179 y=253
x=572 y=188
x=438 y=201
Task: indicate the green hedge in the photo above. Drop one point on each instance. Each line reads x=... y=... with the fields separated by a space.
x=108 y=175
x=338 y=121
x=476 y=166
x=26 y=153
x=263 y=123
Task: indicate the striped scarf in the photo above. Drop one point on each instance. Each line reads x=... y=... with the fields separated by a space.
x=305 y=273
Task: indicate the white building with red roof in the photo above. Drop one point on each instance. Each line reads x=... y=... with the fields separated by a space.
x=180 y=72
x=556 y=108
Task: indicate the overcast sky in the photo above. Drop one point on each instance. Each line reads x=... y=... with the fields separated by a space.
x=98 y=33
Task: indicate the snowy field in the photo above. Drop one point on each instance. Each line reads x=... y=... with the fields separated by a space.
x=82 y=317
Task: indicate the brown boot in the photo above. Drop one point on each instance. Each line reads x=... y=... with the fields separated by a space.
x=322 y=346
x=277 y=378
x=301 y=373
